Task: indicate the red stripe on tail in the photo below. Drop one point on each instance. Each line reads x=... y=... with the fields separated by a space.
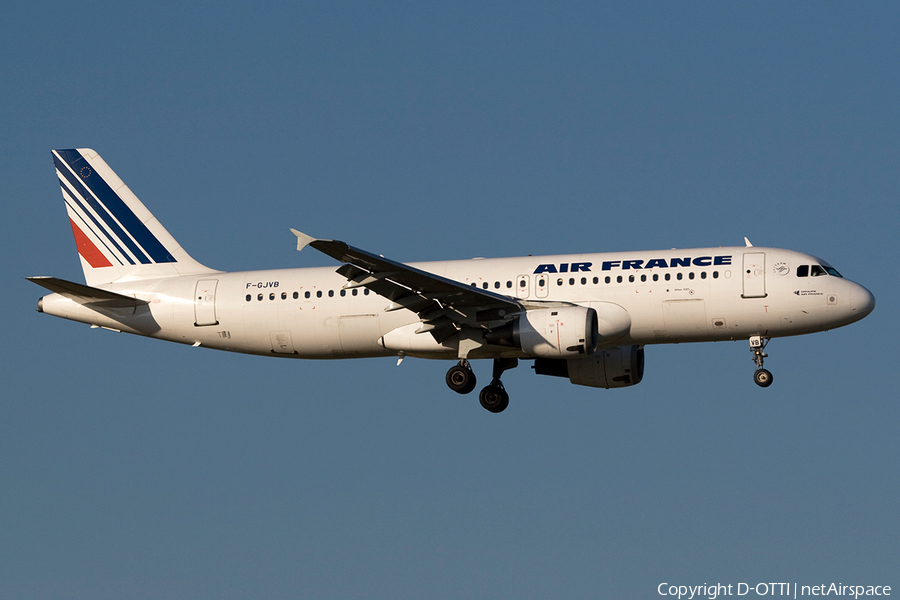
x=87 y=249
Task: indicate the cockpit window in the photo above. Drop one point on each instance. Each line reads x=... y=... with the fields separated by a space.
x=817 y=271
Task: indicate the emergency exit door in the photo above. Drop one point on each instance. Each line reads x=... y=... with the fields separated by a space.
x=522 y=284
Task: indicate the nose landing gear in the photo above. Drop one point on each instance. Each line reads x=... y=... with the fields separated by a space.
x=762 y=377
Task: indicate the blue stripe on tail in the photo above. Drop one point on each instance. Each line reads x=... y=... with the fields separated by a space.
x=79 y=198
x=153 y=250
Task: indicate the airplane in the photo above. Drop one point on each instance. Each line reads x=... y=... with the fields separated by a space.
x=585 y=317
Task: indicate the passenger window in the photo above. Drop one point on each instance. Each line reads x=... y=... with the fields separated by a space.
x=607 y=280
x=319 y=294
x=715 y=274
x=366 y=292
x=343 y=293
x=272 y=296
x=596 y=280
x=679 y=276
x=496 y=285
x=522 y=284
x=571 y=281
x=656 y=277
x=817 y=271
x=249 y=297
x=703 y=275
x=631 y=279
x=284 y=295
x=643 y=278
x=540 y=283
x=619 y=279
x=559 y=281
x=691 y=275
x=484 y=285
x=803 y=271
x=260 y=297
x=355 y=291
x=668 y=276
x=509 y=284
x=296 y=295
x=306 y=295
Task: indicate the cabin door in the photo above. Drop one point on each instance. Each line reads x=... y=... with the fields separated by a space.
x=205 y=302
x=754 y=275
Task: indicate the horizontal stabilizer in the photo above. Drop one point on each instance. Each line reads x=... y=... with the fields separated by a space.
x=83 y=294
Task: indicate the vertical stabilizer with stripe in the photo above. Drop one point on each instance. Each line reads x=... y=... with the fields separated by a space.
x=116 y=236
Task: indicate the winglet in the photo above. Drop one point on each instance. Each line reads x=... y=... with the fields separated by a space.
x=303 y=240
x=746 y=241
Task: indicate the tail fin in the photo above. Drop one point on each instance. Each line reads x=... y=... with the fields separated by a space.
x=117 y=237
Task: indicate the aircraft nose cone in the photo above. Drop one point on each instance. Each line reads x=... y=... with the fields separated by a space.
x=862 y=301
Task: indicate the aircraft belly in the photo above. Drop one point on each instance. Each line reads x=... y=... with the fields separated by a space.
x=359 y=334
x=685 y=319
x=319 y=333
x=314 y=333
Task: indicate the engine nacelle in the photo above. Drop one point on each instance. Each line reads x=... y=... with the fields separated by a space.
x=563 y=332
x=617 y=367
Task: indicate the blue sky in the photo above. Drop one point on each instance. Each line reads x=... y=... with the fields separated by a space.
x=131 y=468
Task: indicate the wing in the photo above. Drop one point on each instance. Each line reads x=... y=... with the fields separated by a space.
x=445 y=306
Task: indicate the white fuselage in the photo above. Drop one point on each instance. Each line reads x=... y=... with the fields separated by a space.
x=671 y=296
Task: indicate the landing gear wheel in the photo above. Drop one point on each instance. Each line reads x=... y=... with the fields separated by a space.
x=763 y=378
x=494 y=398
x=460 y=378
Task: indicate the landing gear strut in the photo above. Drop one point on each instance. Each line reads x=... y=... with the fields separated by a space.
x=494 y=397
x=460 y=377
x=762 y=377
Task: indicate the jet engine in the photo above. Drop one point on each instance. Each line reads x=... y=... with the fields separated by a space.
x=617 y=367
x=567 y=331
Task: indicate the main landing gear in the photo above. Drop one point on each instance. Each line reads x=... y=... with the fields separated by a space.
x=460 y=378
x=762 y=377
x=493 y=397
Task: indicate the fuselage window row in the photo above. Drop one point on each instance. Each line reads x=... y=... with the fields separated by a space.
x=306 y=295
x=802 y=271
